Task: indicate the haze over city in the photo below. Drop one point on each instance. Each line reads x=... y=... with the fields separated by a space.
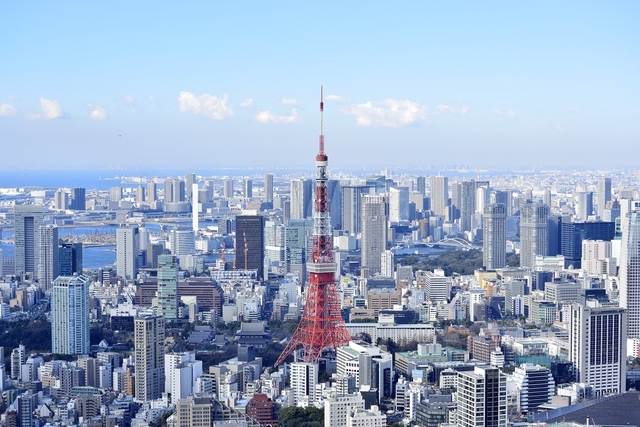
x=207 y=85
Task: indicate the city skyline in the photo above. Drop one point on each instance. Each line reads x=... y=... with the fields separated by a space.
x=504 y=84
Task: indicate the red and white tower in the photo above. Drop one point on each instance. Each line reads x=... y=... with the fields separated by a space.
x=321 y=325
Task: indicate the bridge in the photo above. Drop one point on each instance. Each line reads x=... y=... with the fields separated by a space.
x=454 y=242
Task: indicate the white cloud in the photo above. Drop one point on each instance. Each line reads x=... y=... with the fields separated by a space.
x=573 y=110
x=510 y=113
x=387 y=113
x=247 y=103
x=289 y=101
x=130 y=99
x=269 y=117
x=441 y=108
x=337 y=98
x=7 y=110
x=558 y=128
x=50 y=110
x=98 y=113
x=205 y=105
x=151 y=98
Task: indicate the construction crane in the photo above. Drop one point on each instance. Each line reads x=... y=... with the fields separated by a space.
x=223 y=249
x=246 y=251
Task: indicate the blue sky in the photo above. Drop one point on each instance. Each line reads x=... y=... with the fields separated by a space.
x=210 y=84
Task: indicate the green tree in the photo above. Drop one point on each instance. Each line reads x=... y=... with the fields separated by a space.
x=294 y=416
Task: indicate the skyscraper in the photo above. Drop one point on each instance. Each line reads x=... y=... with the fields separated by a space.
x=495 y=236
x=48 y=255
x=421 y=185
x=352 y=207
x=597 y=347
x=248 y=188
x=69 y=315
x=127 y=251
x=533 y=232
x=152 y=192
x=398 y=204
x=604 y=195
x=301 y=198
x=268 y=187
x=227 y=190
x=27 y=222
x=250 y=243
x=374 y=232
x=189 y=180
x=585 y=205
x=630 y=272
x=168 y=287
x=149 y=336
x=78 y=199
x=182 y=241
x=467 y=204
x=439 y=195
x=482 y=398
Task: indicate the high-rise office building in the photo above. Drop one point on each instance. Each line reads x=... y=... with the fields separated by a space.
x=304 y=377
x=268 y=187
x=152 y=192
x=439 y=195
x=189 y=180
x=374 y=232
x=61 y=200
x=248 y=188
x=127 y=252
x=227 y=189
x=533 y=232
x=27 y=222
x=504 y=197
x=482 y=398
x=421 y=185
x=630 y=272
x=585 y=205
x=572 y=234
x=398 y=204
x=467 y=204
x=597 y=347
x=301 y=198
x=250 y=243
x=335 y=203
x=78 y=199
x=140 y=195
x=182 y=241
x=535 y=386
x=149 y=336
x=69 y=315
x=18 y=358
x=604 y=195
x=115 y=194
x=297 y=246
x=48 y=255
x=352 y=207
x=168 y=190
x=495 y=236
x=168 y=287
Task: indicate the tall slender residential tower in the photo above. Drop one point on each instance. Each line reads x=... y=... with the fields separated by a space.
x=439 y=195
x=321 y=326
x=149 y=335
x=533 y=232
x=127 y=251
x=69 y=315
x=268 y=187
x=374 y=232
x=495 y=236
x=27 y=222
x=48 y=255
x=167 y=293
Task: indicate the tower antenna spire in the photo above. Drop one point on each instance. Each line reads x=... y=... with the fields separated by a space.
x=321 y=152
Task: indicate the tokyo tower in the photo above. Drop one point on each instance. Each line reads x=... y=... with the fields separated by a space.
x=321 y=325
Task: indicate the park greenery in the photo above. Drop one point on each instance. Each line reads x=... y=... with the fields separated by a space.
x=294 y=416
x=454 y=261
